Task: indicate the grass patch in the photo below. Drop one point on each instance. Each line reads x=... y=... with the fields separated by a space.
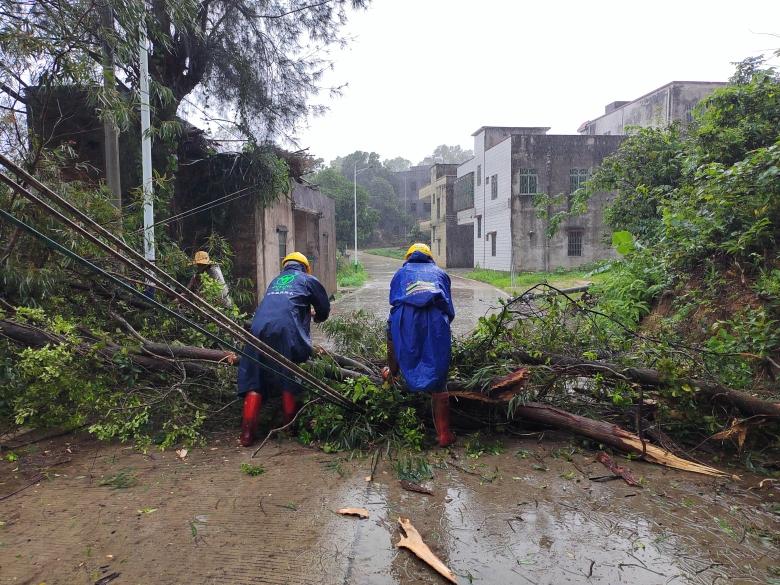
x=524 y=280
x=351 y=276
x=252 y=470
x=397 y=253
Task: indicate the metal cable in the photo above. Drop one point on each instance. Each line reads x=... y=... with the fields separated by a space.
x=191 y=300
x=94 y=268
x=229 y=198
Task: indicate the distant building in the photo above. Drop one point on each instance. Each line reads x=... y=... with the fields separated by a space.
x=452 y=244
x=494 y=194
x=407 y=184
x=657 y=109
x=260 y=236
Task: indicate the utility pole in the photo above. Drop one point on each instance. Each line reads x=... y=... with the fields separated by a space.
x=110 y=129
x=354 y=185
x=146 y=150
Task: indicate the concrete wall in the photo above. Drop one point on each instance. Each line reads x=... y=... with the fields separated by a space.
x=554 y=157
x=671 y=102
x=459 y=238
x=315 y=232
x=274 y=224
x=452 y=246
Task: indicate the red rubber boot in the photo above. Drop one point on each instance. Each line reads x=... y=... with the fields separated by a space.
x=252 y=402
x=289 y=406
x=440 y=405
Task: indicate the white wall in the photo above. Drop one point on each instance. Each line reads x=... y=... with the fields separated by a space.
x=496 y=213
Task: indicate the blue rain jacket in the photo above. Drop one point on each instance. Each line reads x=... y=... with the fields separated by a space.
x=283 y=321
x=419 y=323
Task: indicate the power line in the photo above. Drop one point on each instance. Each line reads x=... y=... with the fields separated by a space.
x=155 y=274
x=132 y=290
x=229 y=198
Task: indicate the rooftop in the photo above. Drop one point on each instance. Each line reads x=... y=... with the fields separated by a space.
x=515 y=129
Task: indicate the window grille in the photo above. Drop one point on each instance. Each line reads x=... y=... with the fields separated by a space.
x=575 y=242
x=528 y=182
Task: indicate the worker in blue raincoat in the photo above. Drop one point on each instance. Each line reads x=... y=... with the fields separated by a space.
x=419 y=340
x=283 y=321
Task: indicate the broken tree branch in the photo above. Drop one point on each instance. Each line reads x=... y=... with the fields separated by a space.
x=746 y=403
x=411 y=540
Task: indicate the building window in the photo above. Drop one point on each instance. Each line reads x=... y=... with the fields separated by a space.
x=479 y=226
x=494 y=187
x=479 y=175
x=433 y=233
x=577 y=178
x=438 y=247
x=281 y=232
x=527 y=182
x=427 y=206
x=492 y=236
x=438 y=207
x=575 y=242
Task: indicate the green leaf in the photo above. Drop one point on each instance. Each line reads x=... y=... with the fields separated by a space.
x=623 y=242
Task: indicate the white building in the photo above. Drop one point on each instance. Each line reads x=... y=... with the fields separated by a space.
x=495 y=192
x=490 y=172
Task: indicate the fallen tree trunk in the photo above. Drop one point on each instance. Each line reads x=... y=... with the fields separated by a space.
x=610 y=434
x=746 y=403
x=35 y=337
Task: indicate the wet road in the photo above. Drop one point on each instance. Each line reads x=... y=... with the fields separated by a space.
x=472 y=299
x=526 y=516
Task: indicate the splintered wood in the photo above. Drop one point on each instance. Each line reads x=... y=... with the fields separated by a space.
x=412 y=541
x=618 y=470
x=359 y=512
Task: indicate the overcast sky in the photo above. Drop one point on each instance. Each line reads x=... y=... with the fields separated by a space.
x=427 y=72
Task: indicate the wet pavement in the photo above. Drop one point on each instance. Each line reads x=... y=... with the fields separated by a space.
x=472 y=299
x=529 y=515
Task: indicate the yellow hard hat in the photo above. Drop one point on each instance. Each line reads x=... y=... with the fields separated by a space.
x=418 y=247
x=297 y=257
x=201 y=258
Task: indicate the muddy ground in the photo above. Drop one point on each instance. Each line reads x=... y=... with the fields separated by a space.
x=527 y=515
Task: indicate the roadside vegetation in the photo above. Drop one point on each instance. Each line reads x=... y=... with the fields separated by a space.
x=397 y=253
x=349 y=274
x=522 y=280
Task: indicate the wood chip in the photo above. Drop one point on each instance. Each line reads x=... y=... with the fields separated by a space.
x=361 y=512
x=412 y=541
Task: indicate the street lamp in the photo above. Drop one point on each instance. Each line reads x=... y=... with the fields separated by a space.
x=354 y=184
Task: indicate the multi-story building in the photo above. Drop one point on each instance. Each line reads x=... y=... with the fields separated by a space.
x=452 y=244
x=659 y=108
x=495 y=191
x=407 y=185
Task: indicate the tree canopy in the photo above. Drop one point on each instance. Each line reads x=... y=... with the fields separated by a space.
x=257 y=62
x=448 y=155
